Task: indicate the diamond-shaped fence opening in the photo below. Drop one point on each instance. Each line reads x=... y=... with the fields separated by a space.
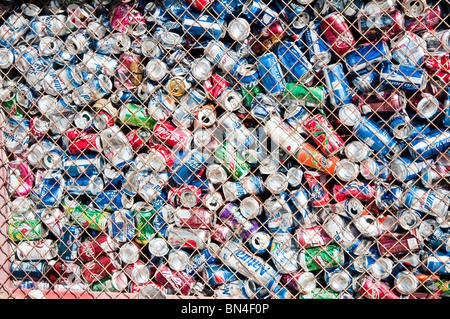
x=225 y=149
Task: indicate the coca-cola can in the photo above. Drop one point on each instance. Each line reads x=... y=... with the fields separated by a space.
x=91 y=249
x=337 y=32
x=185 y=196
x=138 y=138
x=196 y=217
x=138 y=272
x=175 y=137
x=100 y=267
x=175 y=280
x=367 y=287
x=221 y=233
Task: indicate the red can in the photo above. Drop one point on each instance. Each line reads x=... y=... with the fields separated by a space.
x=172 y=136
x=100 y=267
x=185 y=196
x=91 y=249
x=320 y=196
x=138 y=138
x=426 y=21
x=337 y=33
x=368 y=287
x=39 y=126
x=221 y=233
x=174 y=280
x=198 y=5
x=166 y=152
x=215 y=86
x=196 y=217
x=358 y=190
x=438 y=63
x=267 y=38
x=395 y=244
x=61 y=269
x=386 y=101
x=103 y=120
x=134 y=287
x=323 y=134
x=312 y=237
x=84 y=141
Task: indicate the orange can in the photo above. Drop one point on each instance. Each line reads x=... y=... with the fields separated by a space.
x=309 y=156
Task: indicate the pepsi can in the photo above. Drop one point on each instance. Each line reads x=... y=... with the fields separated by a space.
x=217 y=274
x=70 y=242
x=271 y=74
x=319 y=51
x=337 y=84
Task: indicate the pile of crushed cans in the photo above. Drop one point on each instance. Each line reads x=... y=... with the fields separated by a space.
x=227 y=148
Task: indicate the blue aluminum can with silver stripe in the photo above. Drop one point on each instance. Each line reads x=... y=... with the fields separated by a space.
x=89 y=164
x=198 y=261
x=375 y=136
x=436 y=262
x=28 y=269
x=366 y=56
x=187 y=166
x=259 y=242
x=70 y=242
x=319 y=52
x=204 y=26
x=259 y=13
x=216 y=274
x=406 y=77
x=337 y=85
x=297 y=67
x=272 y=78
x=431 y=144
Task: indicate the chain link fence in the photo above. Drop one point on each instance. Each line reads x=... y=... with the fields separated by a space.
x=225 y=149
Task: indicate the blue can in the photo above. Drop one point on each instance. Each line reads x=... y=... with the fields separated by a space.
x=339 y=279
x=424 y=201
x=84 y=185
x=226 y=9
x=318 y=50
x=198 y=261
x=361 y=263
x=439 y=239
x=122 y=226
x=406 y=169
x=259 y=242
x=271 y=74
x=28 y=269
x=50 y=189
x=263 y=106
x=277 y=292
x=215 y=275
x=368 y=55
x=256 y=11
x=111 y=200
x=187 y=166
x=389 y=198
x=431 y=144
x=436 y=262
x=69 y=242
x=89 y=164
x=367 y=80
x=204 y=26
x=296 y=65
x=406 y=77
x=337 y=84
x=375 y=136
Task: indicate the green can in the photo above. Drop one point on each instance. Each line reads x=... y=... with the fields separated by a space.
x=104 y=284
x=316 y=258
x=136 y=115
x=232 y=160
x=249 y=93
x=144 y=214
x=313 y=95
x=320 y=293
x=90 y=217
x=25 y=229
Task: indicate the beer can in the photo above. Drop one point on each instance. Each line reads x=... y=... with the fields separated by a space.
x=70 y=242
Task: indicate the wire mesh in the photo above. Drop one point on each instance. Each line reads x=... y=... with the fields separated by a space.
x=225 y=149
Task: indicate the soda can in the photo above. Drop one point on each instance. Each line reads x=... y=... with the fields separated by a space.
x=369 y=288
x=405 y=169
x=317 y=258
x=339 y=280
x=389 y=197
x=122 y=227
x=376 y=25
x=216 y=275
x=429 y=19
x=172 y=136
x=429 y=144
x=231 y=216
x=91 y=249
x=323 y=134
x=372 y=168
x=89 y=164
x=28 y=269
x=138 y=272
x=219 y=55
x=70 y=242
x=187 y=165
x=84 y=184
x=355 y=189
x=408 y=48
x=237 y=289
x=319 y=51
x=175 y=280
x=269 y=37
x=49 y=190
x=337 y=33
x=188 y=238
x=312 y=237
x=259 y=13
x=367 y=56
x=158 y=248
x=232 y=160
x=403 y=76
x=435 y=236
x=54 y=220
x=396 y=244
x=204 y=26
x=198 y=261
x=239 y=29
x=343 y=232
x=409 y=219
x=100 y=267
x=255 y=268
x=337 y=84
x=271 y=74
x=21 y=179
